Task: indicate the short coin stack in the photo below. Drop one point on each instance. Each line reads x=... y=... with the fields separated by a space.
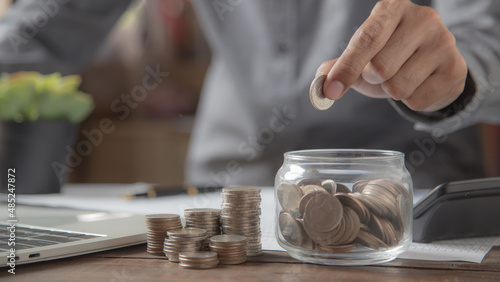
x=157 y=226
x=327 y=215
x=240 y=215
x=198 y=260
x=208 y=219
x=183 y=240
x=230 y=249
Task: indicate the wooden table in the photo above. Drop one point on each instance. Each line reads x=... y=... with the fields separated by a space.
x=135 y=264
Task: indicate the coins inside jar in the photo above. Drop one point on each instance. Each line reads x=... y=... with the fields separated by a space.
x=328 y=216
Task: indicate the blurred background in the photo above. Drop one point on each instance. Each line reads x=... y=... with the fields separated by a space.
x=150 y=144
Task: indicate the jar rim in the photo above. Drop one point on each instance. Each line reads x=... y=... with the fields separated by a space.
x=343 y=154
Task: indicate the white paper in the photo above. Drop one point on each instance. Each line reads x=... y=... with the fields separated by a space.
x=107 y=197
x=472 y=250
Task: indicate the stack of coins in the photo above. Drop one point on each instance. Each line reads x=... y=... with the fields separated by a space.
x=327 y=215
x=240 y=215
x=198 y=260
x=208 y=219
x=183 y=240
x=157 y=226
x=230 y=249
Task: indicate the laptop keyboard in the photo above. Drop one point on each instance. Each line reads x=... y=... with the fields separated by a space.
x=27 y=238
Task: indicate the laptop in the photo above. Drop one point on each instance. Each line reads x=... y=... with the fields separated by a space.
x=46 y=233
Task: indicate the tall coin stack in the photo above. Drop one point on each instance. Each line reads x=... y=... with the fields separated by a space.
x=240 y=215
x=230 y=249
x=157 y=226
x=208 y=219
x=183 y=240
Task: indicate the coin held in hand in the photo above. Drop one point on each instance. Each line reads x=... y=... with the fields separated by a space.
x=317 y=96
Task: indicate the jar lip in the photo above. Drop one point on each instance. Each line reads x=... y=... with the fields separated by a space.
x=343 y=154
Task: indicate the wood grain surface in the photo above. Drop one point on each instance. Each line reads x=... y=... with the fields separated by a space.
x=135 y=264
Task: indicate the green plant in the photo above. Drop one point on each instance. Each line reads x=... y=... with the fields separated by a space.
x=31 y=96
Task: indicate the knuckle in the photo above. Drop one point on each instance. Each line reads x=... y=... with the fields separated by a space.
x=416 y=104
x=398 y=89
x=457 y=87
x=429 y=14
x=455 y=68
x=436 y=32
x=349 y=69
x=458 y=66
x=383 y=67
x=446 y=38
x=392 y=6
x=367 y=36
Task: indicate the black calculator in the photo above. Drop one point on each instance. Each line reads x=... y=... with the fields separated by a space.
x=460 y=209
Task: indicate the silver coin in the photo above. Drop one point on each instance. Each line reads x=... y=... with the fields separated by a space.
x=306 y=198
x=228 y=248
x=323 y=212
x=395 y=187
x=316 y=236
x=311 y=188
x=241 y=190
x=338 y=248
x=197 y=266
x=335 y=237
x=317 y=96
x=228 y=239
x=165 y=216
x=330 y=186
x=374 y=206
x=353 y=226
x=403 y=212
x=308 y=181
x=201 y=211
x=198 y=255
x=376 y=227
x=289 y=196
x=341 y=188
x=369 y=240
x=348 y=200
x=390 y=235
x=187 y=232
x=358 y=186
x=386 y=204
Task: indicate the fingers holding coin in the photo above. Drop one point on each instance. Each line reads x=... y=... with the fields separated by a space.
x=402 y=51
x=317 y=90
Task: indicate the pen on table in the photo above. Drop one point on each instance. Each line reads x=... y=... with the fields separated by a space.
x=158 y=190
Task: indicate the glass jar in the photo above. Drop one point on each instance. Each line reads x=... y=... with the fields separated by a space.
x=344 y=207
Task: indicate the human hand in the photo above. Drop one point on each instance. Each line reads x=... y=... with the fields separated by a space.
x=402 y=51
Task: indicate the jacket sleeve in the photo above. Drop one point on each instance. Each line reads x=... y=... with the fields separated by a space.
x=55 y=35
x=476 y=27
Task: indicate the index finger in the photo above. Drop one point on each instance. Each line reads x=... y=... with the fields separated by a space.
x=366 y=42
